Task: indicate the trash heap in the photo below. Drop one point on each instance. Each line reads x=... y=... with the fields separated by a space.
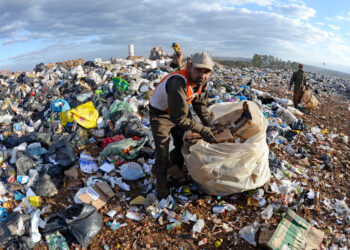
x=77 y=153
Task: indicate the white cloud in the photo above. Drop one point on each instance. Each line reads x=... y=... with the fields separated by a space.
x=339 y=50
x=259 y=2
x=106 y=27
x=333 y=27
x=295 y=10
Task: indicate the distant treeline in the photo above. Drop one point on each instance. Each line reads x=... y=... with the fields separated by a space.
x=261 y=61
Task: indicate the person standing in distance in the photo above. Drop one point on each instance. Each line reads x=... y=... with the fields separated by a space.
x=177 y=56
x=299 y=81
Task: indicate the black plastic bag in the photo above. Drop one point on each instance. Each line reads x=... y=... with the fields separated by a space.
x=14 y=232
x=290 y=135
x=79 y=223
x=39 y=67
x=63 y=154
x=46 y=186
x=43 y=138
x=11 y=141
x=50 y=169
x=90 y=64
x=134 y=127
x=23 y=165
x=299 y=125
x=19 y=243
x=274 y=162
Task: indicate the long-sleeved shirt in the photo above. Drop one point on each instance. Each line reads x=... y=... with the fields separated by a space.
x=299 y=79
x=179 y=108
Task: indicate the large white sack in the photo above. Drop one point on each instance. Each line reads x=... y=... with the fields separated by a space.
x=228 y=168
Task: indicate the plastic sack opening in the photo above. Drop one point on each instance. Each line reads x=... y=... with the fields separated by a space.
x=228 y=168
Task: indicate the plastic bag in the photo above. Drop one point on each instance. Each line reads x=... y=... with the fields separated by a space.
x=120 y=106
x=23 y=165
x=85 y=115
x=198 y=226
x=79 y=223
x=59 y=105
x=248 y=233
x=286 y=116
x=45 y=186
x=62 y=154
x=299 y=125
x=310 y=100
x=120 y=84
x=131 y=171
x=128 y=148
x=56 y=241
x=228 y=168
x=267 y=212
x=12 y=231
x=50 y=169
x=43 y=138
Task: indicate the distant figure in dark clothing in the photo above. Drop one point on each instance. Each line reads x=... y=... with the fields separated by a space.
x=299 y=81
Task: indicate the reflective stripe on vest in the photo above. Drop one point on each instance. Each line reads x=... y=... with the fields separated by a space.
x=159 y=99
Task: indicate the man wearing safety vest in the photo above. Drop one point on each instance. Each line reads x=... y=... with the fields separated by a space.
x=170 y=114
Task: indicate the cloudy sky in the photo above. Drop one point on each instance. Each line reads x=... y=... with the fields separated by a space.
x=311 y=32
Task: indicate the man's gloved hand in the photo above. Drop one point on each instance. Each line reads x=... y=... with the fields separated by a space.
x=207 y=135
x=210 y=120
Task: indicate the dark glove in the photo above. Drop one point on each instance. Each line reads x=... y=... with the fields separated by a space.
x=209 y=120
x=207 y=135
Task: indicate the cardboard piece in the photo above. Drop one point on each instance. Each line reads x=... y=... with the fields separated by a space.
x=97 y=195
x=245 y=124
x=72 y=173
x=225 y=136
x=246 y=131
x=265 y=235
x=294 y=232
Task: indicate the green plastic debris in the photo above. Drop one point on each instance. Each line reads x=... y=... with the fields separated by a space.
x=128 y=148
x=120 y=84
x=118 y=106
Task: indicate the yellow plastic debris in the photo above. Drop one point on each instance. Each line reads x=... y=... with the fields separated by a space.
x=34 y=201
x=85 y=115
x=139 y=200
x=218 y=243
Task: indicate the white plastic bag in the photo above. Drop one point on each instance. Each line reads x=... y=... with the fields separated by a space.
x=286 y=115
x=131 y=171
x=228 y=168
x=248 y=233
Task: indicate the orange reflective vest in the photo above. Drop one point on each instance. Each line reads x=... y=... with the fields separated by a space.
x=159 y=99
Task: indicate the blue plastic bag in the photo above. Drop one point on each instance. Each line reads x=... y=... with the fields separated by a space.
x=59 y=105
x=242 y=98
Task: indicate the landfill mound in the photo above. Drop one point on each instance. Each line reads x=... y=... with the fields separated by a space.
x=77 y=153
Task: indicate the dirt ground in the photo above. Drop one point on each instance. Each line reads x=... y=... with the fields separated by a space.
x=332 y=114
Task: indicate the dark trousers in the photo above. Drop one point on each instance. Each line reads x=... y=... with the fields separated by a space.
x=162 y=128
x=297 y=96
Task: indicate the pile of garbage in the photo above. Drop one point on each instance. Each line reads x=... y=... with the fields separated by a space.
x=77 y=153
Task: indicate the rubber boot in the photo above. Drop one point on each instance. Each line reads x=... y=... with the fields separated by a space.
x=162 y=188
